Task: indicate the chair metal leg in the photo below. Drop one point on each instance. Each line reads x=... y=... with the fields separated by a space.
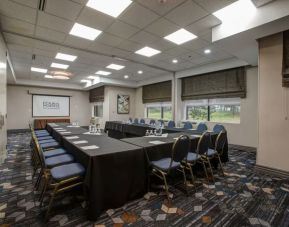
x=185 y=180
x=210 y=166
x=192 y=176
x=221 y=165
x=50 y=202
x=166 y=186
x=41 y=198
x=37 y=183
x=205 y=169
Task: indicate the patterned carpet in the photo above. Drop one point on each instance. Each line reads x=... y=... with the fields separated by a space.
x=241 y=198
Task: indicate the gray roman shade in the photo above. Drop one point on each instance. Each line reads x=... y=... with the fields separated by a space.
x=285 y=79
x=159 y=92
x=221 y=84
x=96 y=94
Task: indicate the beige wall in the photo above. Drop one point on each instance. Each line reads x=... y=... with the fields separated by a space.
x=19 y=112
x=3 y=96
x=273 y=124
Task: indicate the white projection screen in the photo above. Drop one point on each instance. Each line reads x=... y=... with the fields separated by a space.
x=50 y=106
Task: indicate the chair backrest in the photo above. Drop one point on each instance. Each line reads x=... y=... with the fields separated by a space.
x=218 y=128
x=161 y=121
x=135 y=121
x=130 y=119
x=221 y=141
x=203 y=144
x=142 y=121
x=188 y=125
x=38 y=150
x=171 y=124
x=202 y=127
x=180 y=149
x=152 y=121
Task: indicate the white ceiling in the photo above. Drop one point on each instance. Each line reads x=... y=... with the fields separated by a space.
x=28 y=31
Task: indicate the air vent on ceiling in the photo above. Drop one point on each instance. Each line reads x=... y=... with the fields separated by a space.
x=41 y=5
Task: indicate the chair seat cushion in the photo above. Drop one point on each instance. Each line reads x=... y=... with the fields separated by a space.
x=49 y=145
x=47 y=141
x=40 y=131
x=64 y=172
x=45 y=138
x=54 y=152
x=164 y=164
x=193 y=157
x=211 y=152
x=59 y=160
x=42 y=135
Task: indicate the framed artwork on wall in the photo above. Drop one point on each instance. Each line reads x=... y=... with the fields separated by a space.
x=123 y=104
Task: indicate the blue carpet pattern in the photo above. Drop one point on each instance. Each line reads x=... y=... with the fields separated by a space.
x=241 y=198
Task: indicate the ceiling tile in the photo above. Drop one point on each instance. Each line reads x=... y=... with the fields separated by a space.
x=54 y=23
x=30 y=3
x=162 y=27
x=201 y=60
x=196 y=44
x=109 y=39
x=64 y=8
x=176 y=51
x=23 y=41
x=121 y=29
x=144 y=38
x=74 y=41
x=203 y=24
x=129 y=46
x=18 y=11
x=45 y=45
x=162 y=45
x=119 y=53
x=46 y=53
x=16 y=47
x=48 y=34
x=212 y=6
x=82 y=2
x=95 y=19
x=186 y=13
x=138 y=16
x=17 y=26
x=99 y=47
x=159 y=7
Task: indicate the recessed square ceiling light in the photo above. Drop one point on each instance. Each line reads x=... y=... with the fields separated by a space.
x=48 y=76
x=147 y=51
x=65 y=57
x=110 y=7
x=115 y=66
x=84 y=31
x=59 y=66
x=104 y=73
x=181 y=36
x=59 y=77
x=39 y=70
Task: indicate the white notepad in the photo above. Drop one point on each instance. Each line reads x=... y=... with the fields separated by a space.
x=61 y=130
x=165 y=135
x=80 y=142
x=71 y=137
x=90 y=147
x=64 y=133
x=58 y=128
x=73 y=126
x=156 y=142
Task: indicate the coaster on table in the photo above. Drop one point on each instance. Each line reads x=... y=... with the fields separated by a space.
x=165 y=135
x=80 y=142
x=156 y=142
x=71 y=137
x=90 y=147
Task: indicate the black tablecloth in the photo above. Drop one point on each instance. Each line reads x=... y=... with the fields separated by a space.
x=53 y=130
x=115 y=171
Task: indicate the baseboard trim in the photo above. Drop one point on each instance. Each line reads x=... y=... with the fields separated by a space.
x=9 y=131
x=272 y=171
x=243 y=148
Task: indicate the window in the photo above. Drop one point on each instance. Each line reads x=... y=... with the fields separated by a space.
x=216 y=110
x=97 y=109
x=159 y=111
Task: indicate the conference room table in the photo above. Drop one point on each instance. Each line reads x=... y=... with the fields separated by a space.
x=122 y=130
x=58 y=130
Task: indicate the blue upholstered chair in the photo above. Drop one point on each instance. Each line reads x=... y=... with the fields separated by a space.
x=218 y=128
x=161 y=168
x=130 y=120
x=188 y=125
x=171 y=124
x=152 y=121
x=202 y=127
x=142 y=121
x=199 y=154
x=161 y=121
x=135 y=121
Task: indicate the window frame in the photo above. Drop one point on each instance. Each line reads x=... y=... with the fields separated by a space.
x=93 y=108
x=160 y=105
x=209 y=103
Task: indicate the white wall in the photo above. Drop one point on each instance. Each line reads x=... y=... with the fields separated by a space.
x=19 y=112
x=3 y=97
x=273 y=127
